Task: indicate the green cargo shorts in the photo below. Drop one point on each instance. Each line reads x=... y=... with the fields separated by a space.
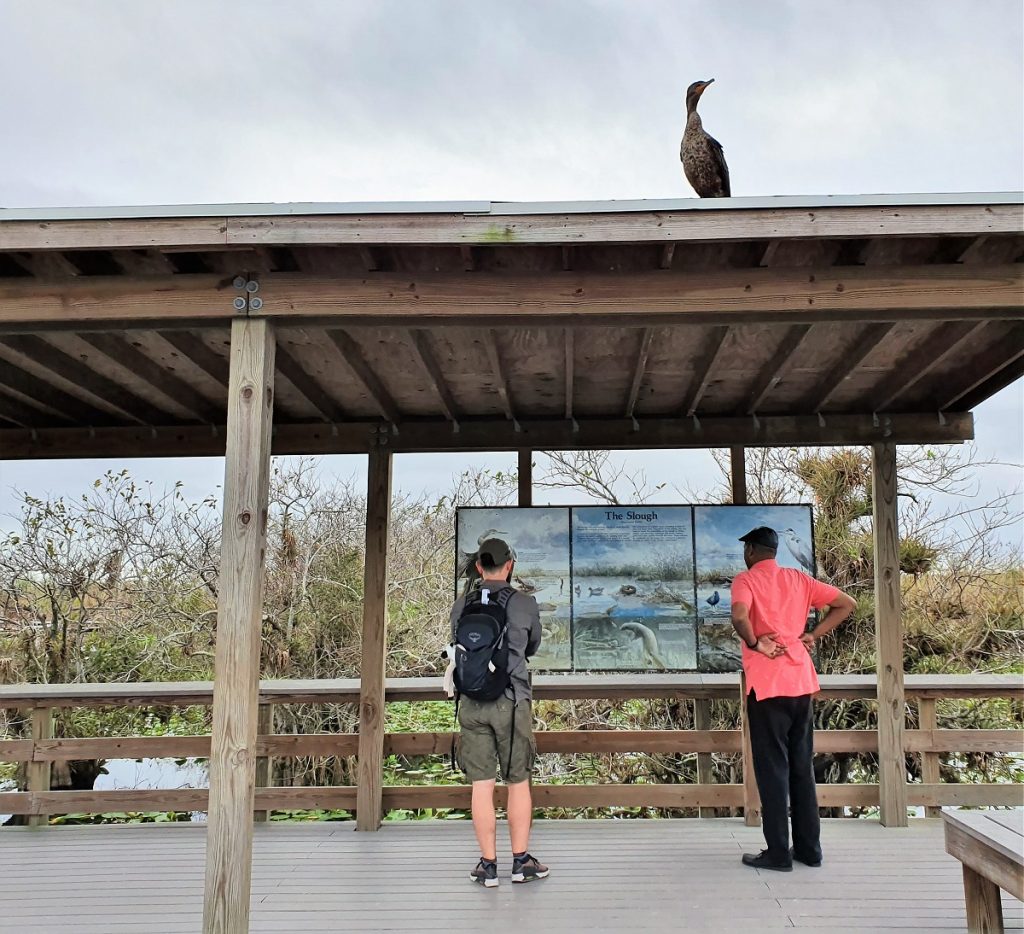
x=490 y=740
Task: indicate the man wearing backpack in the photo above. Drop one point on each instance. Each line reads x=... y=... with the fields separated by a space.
x=495 y=628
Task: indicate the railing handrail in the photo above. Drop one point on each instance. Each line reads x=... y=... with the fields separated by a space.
x=545 y=687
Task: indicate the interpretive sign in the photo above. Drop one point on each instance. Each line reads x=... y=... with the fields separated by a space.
x=631 y=588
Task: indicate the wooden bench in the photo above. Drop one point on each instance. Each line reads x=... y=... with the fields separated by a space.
x=990 y=844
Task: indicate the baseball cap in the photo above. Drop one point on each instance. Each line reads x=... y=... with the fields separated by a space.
x=494 y=553
x=763 y=536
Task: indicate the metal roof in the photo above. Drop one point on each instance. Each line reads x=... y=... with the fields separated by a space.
x=504 y=208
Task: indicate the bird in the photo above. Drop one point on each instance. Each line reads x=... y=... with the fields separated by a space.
x=596 y=591
x=713 y=599
x=799 y=550
x=578 y=590
x=525 y=586
x=650 y=642
x=701 y=154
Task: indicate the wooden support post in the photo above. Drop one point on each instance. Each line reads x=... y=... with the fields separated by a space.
x=264 y=764
x=526 y=478
x=705 y=764
x=37 y=776
x=751 y=796
x=929 y=760
x=983 y=902
x=369 y=796
x=738 y=471
x=239 y=624
x=892 y=772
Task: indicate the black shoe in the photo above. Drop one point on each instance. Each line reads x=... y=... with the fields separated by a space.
x=485 y=874
x=764 y=861
x=527 y=869
x=813 y=863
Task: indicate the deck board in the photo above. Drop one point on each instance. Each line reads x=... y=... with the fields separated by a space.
x=607 y=876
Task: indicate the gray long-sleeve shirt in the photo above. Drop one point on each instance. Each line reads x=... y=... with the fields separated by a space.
x=524 y=635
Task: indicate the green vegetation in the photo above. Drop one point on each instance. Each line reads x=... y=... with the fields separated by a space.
x=121 y=585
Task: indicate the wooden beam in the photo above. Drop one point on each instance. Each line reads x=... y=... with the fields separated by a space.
x=308 y=387
x=782 y=294
x=38 y=773
x=738 y=474
x=566 y=258
x=658 y=223
x=119 y=299
x=353 y=356
x=840 y=293
x=199 y=353
x=468 y=262
x=498 y=371
x=369 y=258
x=96 y=384
x=772 y=373
x=525 y=474
x=945 y=341
x=369 y=807
x=421 y=341
x=41 y=393
x=702 y=376
x=853 y=358
x=639 y=370
x=570 y=371
x=892 y=769
x=168 y=384
x=498 y=434
x=239 y=629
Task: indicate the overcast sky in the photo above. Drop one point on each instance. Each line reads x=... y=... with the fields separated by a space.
x=189 y=101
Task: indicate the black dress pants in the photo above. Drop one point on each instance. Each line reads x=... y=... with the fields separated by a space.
x=782 y=743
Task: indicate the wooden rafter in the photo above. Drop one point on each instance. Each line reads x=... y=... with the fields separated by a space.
x=13 y=410
x=353 y=356
x=199 y=353
x=919 y=362
x=143 y=262
x=566 y=257
x=986 y=373
x=639 y=370
x=775 y=369
x=47 y=265
x=162 y=380
x=421 y=342
x=498 y=371
x=853 y=358
x=40 y=392
x=307 y=386
x=73 y=370
x=701 y=377
x=500 y=434
x=468 y=260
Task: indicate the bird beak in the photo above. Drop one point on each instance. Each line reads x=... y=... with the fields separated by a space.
x=709 y=81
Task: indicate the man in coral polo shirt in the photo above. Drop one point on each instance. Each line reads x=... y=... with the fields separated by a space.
x=770 y=606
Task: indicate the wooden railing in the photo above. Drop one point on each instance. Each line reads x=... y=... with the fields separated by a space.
x=42 y=749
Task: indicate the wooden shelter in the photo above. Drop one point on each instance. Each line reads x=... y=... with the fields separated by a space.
x=250 y=330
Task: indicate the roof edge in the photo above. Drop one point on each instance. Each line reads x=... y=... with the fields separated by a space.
x=507 y=208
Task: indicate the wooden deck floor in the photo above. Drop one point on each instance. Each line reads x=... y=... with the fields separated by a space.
x=607 y=876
